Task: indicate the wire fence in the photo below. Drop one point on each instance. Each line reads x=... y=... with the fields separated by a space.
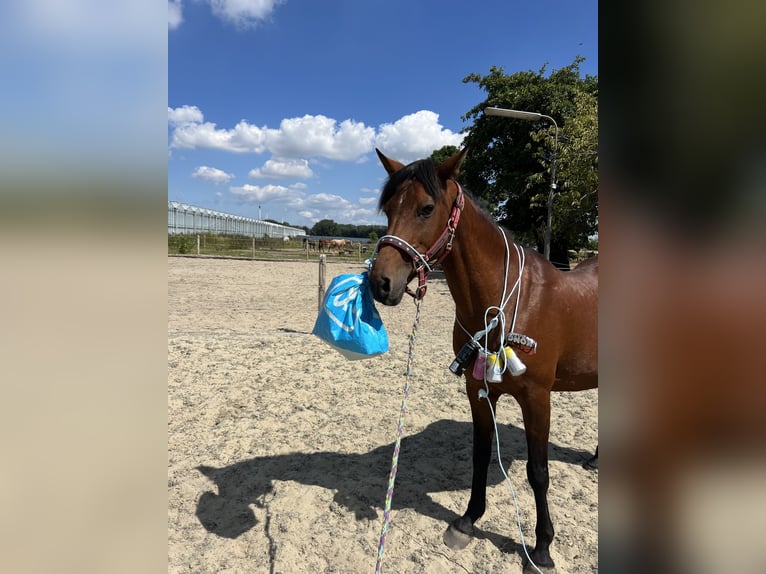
x=244 y=247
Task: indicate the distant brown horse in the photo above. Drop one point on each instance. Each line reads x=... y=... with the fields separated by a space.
x=432 y=221
x=338 y=246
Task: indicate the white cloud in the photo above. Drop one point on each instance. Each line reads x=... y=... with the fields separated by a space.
x=184 y=115
x=175 y=17
x=368 y=200
x=360 y=216
x=312 y=207
x=411 y=137
x=327 y=205
x=415 y=136
x=309 y=136
x=321 y=136
x=244 y=13
x=325 y=200
x=267 y=193
x=212 y=174
x=244 y=137
x=283 y=169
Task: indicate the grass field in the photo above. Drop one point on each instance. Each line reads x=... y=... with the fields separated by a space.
x=241 y=247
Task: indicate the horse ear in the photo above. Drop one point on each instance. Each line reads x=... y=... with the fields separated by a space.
x=391 y=165
x=451 y=167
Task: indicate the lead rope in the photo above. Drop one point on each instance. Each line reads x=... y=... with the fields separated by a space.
x=400 y=428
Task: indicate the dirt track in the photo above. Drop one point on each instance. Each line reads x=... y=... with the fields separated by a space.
x=279 y=448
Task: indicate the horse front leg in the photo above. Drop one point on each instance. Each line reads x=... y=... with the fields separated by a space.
x=536 y=410
x=461 y=531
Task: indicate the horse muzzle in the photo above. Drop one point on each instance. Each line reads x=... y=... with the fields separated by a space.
x=389 y=276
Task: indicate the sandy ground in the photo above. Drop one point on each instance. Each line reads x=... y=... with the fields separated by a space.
x=279 y=448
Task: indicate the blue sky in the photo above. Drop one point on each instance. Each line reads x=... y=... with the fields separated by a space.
x=275 y=107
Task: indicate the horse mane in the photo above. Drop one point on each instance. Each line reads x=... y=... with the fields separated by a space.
x=423 y=171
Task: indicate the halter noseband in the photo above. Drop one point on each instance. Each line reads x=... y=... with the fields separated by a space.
x=424 y=263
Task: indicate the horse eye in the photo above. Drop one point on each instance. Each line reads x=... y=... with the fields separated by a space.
x=426 y=210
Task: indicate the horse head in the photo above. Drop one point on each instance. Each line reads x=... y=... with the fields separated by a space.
x=422 y=202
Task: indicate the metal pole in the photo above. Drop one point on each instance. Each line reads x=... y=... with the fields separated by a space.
x=549 y=218
x=535 y=116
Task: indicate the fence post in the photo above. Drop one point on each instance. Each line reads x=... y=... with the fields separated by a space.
x=253 y=245
x=321 y=281
x=198 y=244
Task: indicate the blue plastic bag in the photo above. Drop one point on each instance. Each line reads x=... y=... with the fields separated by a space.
x=348 y=319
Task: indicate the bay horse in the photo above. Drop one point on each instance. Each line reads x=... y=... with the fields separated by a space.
x=432 y=221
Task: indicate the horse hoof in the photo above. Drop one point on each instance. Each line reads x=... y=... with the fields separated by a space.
x=455 y=539
x=529 y=569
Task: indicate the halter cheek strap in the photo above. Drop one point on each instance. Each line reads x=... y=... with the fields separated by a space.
x=426 y=262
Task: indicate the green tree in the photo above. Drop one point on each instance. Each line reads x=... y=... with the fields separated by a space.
x=443 y=153
x=325 y=227
x=509 y=160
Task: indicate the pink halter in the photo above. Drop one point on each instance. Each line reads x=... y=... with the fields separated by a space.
x=424 y=263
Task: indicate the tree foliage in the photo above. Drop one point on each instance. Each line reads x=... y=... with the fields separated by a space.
x=329 y=228
x=443 y=153
x=509 y=160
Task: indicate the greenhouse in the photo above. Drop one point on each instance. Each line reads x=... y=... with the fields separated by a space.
x=184 y=219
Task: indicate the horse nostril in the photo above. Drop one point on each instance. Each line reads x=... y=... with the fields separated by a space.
x=384 y=285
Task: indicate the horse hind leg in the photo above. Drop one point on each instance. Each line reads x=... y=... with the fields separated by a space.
x=592 y=462
x=461 y=531
x=536 y=410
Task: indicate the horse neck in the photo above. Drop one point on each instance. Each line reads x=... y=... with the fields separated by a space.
x=475 y=269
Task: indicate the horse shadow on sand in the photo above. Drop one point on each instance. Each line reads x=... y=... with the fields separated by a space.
x=434 y=460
